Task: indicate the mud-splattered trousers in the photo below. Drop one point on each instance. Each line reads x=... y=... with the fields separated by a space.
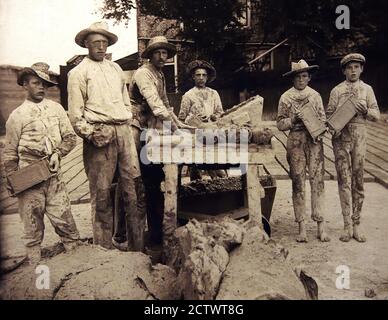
x=50 y=198
x=303 y=153
x=350 y=146
x=98 y=96
x=33 y=131
x=100 y=166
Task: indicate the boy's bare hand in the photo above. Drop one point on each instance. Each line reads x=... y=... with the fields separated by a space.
x=54 y=162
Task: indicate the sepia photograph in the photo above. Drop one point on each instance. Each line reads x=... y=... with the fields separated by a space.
x=216 y=151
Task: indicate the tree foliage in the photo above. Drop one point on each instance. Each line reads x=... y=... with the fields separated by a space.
x=215 y=27
x=315 y=20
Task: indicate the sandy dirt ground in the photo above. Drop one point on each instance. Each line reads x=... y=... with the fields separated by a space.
x=368 y=262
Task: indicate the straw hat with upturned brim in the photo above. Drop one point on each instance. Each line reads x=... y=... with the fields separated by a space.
x=99 y=28
x=301 y=66
x=159 y=42
x=201 y=64
x=39 y=69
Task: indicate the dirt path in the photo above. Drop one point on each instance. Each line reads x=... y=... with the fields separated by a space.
x=368 y=262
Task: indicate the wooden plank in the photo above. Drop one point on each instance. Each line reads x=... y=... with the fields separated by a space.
x=254 y=192
x=377 y=152
x=329 y=162
x=75 y=153
x=376 y=161
x=378 y=138
x=170 y=206
x=73 y=172
x=75 y=162
x=380 y=176
x=78 y=195
x=379 y=125
x=281 y=154
x=8 y=203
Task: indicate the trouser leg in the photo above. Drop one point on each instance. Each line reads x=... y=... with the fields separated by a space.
x=297 y=160
x=153 y=176
x=31 y=209
x=58 y=210
x=100 y=165
x=120 y=229
x=358 y=159
x=341 y=148
x=316 y=174
x=132 y=188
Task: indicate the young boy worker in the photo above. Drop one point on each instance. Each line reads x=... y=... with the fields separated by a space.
x=350 y=143
x=40 y=128
x=302 y=150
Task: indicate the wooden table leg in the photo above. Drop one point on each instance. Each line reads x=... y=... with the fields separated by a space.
x=170 y=201
x=254 y=194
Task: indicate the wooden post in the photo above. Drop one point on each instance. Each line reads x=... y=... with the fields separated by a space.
x=254 y=194
x=170 y=201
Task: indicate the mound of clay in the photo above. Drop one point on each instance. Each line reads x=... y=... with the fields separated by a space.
x=200 y=256
x=90 y=272
x=259 y=270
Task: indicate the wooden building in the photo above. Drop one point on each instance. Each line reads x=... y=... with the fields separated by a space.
x=12 y=95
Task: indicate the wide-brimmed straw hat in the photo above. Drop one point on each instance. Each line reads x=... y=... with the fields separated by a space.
x=196 y=64
x=159 y=42
x=353 y=57
x=39 y=69
x=301 y=66
x=100 y=27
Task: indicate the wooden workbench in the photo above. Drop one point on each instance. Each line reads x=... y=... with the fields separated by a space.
x=248 y=159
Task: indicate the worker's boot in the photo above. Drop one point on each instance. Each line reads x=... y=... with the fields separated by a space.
x=33 y=254
x=348 y=230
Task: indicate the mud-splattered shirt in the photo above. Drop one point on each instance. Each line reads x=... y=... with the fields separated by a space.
x=200 y=102
x=294 y=99
x=34 y=130
x=362 y=92
x=97 y=94
x=149 y=98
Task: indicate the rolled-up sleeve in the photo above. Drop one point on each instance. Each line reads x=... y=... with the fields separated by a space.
x=283 y=120
x=76 y=89
x=12 y=138
x=148 y=90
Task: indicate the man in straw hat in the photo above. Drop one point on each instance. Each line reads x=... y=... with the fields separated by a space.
x=39 y=128
x=201 y=102
x=349 y=145
x=152 y=110
x=100 y=111
x=302 y=150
